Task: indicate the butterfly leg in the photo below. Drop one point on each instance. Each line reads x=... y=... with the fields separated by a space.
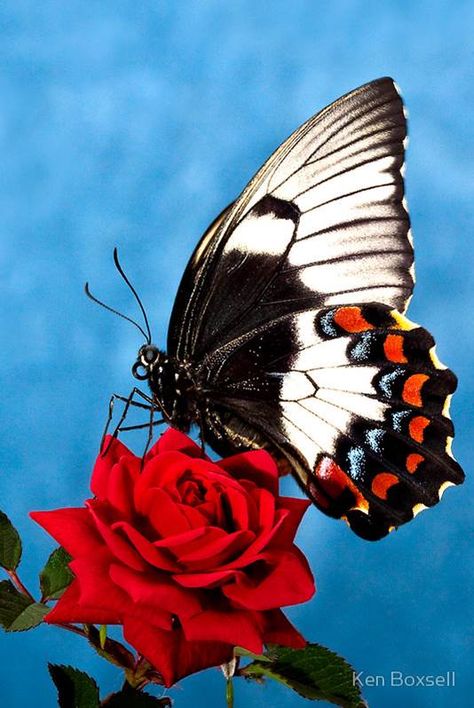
x=108 y=421
x=140 y=426
x=150 y=434
x=113 y=398
x=129 y=401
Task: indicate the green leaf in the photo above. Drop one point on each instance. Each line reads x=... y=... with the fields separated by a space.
x=75 y=688
x=112 y=651
x=130 y=697
x=56 y=576
x=314 y=672
x=246 y=654
x=102 y=635
x=10 y=544
x=17 y=611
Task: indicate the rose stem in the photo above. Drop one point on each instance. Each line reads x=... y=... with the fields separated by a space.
x=72 y=628
x=19 y=585
x=229 y=692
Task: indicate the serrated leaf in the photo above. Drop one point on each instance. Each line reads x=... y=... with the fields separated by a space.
x=56 y=575
x=75 y=688
x=10 y=544
x=130 y=697
x=12 y=603
x=314 y=672
x=17 y=611
x=31 y=617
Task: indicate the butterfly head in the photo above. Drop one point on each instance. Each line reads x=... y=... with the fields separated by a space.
x=149 y=357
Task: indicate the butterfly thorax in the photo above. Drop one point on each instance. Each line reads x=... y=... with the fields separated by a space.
x=171 y=383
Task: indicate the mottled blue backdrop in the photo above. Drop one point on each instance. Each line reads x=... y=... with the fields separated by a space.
x=132 y=124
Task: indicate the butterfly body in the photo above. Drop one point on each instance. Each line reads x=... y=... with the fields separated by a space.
x=171 y=382
x=288 y=330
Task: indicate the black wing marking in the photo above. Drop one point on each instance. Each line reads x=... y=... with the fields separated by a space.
x=322 y=222
x=194 y=269
x=356 y=400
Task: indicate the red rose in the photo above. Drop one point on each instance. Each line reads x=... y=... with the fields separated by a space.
x=192 y=557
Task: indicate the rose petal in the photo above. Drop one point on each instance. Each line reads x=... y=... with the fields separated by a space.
x=163 y=513
x=163 y=472
x=279 y=630
x=295 y=509
x=264 y=541
x=105 y=463
x=238 y=628
x=171 y=654
x=267 y=540
x=257 y=466
x=266 y=508
x=191 y=540
x=120 y=487
x=159 y=557
x=117 y=545
x=288 y=582
x=234 y=509
x=67 y=609
x=96 y=588
x=73 y=529
x=156 y=589
x=213 y=579
x=174 y=440
x=197 y=517
x=169 y=468
x=208 y=556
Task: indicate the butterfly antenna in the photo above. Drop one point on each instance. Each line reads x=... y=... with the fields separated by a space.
x=116 y=312
x=122 y=273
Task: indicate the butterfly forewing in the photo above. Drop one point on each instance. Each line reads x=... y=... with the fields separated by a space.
x=322 y=222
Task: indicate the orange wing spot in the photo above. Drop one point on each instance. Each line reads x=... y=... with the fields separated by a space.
x=413 y=461
x=393 y=348
x=334 y=481
x=416 y=427
x=382 y=482
x=412 y=389
x=351 y=319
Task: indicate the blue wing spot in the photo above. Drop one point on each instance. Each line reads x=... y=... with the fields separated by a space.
x=387 y=382
x=326 y=323
x=356 y=462
x=374 y=438
x=360 y=351
x=398 y=419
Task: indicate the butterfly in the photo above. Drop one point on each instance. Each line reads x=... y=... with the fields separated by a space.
x=288 y=330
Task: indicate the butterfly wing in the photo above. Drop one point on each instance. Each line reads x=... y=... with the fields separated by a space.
x=356 y=398
x=321 y=226
x=322 y=222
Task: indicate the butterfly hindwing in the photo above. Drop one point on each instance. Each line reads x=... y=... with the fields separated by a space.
x=356 y=398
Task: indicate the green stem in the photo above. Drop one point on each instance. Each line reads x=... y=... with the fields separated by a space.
x=19 y=585
x=229 y=693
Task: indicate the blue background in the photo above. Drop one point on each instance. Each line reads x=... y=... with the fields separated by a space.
x=133 y=124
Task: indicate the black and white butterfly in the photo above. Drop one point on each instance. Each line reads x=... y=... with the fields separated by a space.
x=288 y=330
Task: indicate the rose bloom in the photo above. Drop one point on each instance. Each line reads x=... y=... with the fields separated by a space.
x=192 y=557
